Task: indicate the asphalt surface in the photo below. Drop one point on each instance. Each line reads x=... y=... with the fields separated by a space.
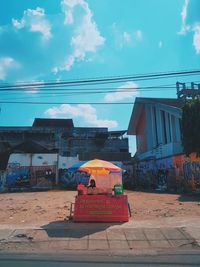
x=186 y=258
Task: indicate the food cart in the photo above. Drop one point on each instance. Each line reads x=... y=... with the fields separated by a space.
x=104 y=201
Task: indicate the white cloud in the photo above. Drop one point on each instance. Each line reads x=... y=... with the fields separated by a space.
x=160 y=44
x=184 y=26
x=138 y=35
x=68 y=8
x=84 y=112
x=126 y=91
x=6 y=64
x=67 y=44
x=196 y=38
x=35 y=21
x=86 y=37
x=192 y=27
x=127 y=37
x=18 y=24
x=124 y=38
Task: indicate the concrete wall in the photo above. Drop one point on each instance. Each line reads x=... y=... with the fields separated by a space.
x=34 y=170
x=41 y=171
x=29 y=170
x=173 y=172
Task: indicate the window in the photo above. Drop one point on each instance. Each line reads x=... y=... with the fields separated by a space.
x=155 y=125
x=174 y=137
x=169 y=123
x=164 y=131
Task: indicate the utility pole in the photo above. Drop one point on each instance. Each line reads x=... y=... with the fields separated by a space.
x=57 y=168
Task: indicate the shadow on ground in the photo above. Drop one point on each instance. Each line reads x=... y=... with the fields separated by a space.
x=190 y=197
x=64 y=229
x=182 y=197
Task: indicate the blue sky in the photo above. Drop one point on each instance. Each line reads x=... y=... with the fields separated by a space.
x=77 y=39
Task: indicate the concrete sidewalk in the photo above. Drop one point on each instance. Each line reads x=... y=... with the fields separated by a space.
x=93 y=237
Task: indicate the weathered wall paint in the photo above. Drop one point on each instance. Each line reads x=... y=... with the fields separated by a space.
x=67 y=162
x=176 y=171
x=188 y=167
x=70 y=179
x=39 y=170
x=29 y=170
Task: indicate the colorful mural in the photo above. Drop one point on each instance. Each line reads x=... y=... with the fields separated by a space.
x=39 y=171
x=30 y=170
x=43 y=175
x=70 y=179
x=24 y=176
x=17 y=176
x=176 y=173
x=188 y=168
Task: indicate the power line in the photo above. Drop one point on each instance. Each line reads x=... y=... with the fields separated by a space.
x=89 y=89
x=101 y=77
x=107 y=80
x=61 y=103
x=82 y=89
x=92 y=91
x=72 y=103
x=61 y=94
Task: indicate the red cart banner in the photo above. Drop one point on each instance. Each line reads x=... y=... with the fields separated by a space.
x=101 y=208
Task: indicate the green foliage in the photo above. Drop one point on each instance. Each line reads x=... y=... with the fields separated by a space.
x=191 y=126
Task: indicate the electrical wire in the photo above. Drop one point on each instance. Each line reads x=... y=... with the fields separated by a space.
x=92 y=91
x=61 y=94
x=52 y=89
x=106 y=80
x=73 y=103
x=83 y=89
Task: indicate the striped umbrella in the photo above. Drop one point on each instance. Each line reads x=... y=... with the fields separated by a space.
x=97 y=166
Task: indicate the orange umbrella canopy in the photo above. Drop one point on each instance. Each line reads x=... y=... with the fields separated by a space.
x=97 y=166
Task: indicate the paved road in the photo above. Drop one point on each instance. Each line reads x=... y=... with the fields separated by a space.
x=186 y=258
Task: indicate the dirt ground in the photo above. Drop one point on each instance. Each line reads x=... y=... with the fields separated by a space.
x=39 y=207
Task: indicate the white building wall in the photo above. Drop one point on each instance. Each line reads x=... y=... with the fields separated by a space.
x=67 y=162
x=33 y=159
x=173 y=134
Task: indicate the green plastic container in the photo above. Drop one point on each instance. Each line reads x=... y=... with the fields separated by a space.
x=118 y=189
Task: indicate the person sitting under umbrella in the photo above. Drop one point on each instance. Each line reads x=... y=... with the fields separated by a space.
x=92 y=184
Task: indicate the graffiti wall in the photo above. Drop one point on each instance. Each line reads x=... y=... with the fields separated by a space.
x=29 y=170
x=39 y=170
x=70 y=179
x=2 y=180
x=127 y=175
x=173 y=173
x=188 y=168
x=67 y=162
x=17 y=175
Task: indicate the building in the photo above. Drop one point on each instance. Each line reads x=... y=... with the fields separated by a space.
x=60 y=136
x=39 y=156
x=156 y=124
x=160 y=161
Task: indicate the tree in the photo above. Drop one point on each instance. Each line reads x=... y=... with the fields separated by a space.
x=190 y=125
